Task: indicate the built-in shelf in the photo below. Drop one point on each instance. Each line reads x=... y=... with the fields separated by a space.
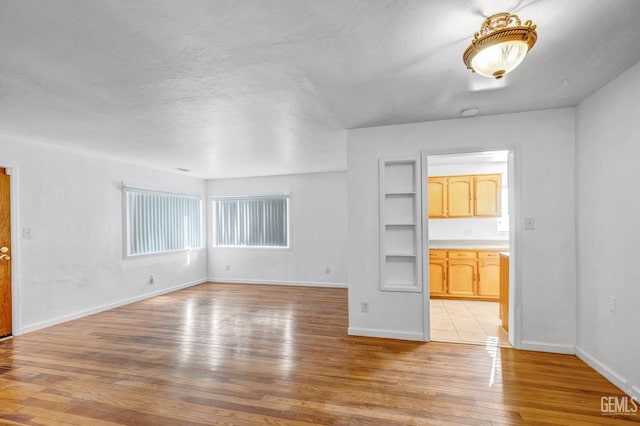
x=400 y=267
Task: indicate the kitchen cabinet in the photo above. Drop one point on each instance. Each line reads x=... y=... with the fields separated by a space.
x=460 y=201
x=487 y=195
x=464 y=196
x=437 y=191
x=438 y=273
x=464 y=274
x=462 y=278
x=488 y=278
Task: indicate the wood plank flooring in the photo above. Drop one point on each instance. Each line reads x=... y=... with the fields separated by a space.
x=250 y=355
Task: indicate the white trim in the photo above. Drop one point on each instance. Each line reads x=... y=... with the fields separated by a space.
x=278 y=282
x=516 y=221
x=423 y=250
x=385 y=334
x=554 y=348
x=151 y=188
x=611 y=375
x=102 y=308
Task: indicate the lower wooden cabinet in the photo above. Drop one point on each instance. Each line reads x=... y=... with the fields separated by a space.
x=464 y=274
x=438 y=277
x=462 y=278
x=489 y=278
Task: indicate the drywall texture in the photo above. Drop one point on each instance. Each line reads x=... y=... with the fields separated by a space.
x=318 y=232
x=73 y=263
x=607 y=205
x=544 y=142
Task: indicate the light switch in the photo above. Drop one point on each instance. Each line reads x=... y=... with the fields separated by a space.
x=529 y=223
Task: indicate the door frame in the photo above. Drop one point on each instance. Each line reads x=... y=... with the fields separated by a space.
x=515 y=235
x=12 y=171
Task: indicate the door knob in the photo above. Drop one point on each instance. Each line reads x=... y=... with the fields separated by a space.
x=4 y=249
x=5 y=257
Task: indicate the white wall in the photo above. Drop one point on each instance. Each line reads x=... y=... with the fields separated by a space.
x=318 y=226
x=608 y=231
x=545 y=144
x=482 y=228
x=74 y=263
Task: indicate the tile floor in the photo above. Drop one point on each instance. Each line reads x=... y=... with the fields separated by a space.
x=467 y=321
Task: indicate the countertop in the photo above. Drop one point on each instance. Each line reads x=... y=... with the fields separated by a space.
x=502 y=245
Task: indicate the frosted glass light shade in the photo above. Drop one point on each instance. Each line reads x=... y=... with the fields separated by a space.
x=499 y=59
x=500 y=45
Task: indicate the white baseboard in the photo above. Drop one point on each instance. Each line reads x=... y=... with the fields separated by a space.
x=274 y=282
x=611 y=375
x=528 y=345
x=102 y=308
x=385 y=334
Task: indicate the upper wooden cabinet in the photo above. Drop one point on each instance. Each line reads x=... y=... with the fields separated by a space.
x=487 y=195
x=460 y=201
x=438 y=197
x=464 y=196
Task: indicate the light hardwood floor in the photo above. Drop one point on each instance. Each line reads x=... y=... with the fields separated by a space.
x=252 y=355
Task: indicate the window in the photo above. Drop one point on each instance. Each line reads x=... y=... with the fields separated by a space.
x=251 y=221
x=159 y=222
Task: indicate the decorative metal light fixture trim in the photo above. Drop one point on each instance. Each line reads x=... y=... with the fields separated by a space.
x=500 y=45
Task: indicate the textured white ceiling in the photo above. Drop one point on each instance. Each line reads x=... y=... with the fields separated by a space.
x=262 y=87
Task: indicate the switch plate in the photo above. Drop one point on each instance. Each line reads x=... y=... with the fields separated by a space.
x=530 y=223
x=364 y=307
x=27 y=233
x=612 y=304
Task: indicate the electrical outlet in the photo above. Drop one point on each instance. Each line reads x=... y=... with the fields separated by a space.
x=364 y=307
x=530 y=223
x=152 y=279
x=27 y=233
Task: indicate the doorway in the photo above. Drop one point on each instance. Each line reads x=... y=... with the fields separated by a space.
x=469 y=239
x=5 y=255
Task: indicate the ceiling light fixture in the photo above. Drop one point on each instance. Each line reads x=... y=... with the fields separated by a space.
x=500 y=45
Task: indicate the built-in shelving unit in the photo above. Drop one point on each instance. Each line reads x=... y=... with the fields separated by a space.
x=400 y=265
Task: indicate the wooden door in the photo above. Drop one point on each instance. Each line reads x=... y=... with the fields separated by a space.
x=437 y=193
x=437 y=277
x=489 y=278
x=487 y=195
x=5 y=255
x=462 y=277
x=460 y=202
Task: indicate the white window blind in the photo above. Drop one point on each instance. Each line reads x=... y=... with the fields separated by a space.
x=158 y=222
x=251 y=221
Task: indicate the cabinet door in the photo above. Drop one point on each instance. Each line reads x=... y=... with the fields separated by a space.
x=487 y=195
x=462 y=277
x=460 y=202
x=437 y=193
x=437 y=277
x=489 y=278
